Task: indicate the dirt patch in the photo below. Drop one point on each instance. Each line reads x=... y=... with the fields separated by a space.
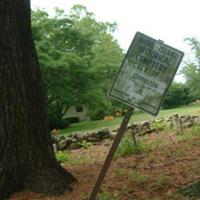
x=155 y=175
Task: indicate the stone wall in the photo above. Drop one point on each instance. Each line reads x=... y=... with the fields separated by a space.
x=82 y=139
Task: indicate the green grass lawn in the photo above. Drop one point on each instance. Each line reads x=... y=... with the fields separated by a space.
x=137 y=116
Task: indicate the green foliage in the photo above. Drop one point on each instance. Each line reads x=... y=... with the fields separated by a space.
x=127 y=146
x=178 y=94
x=62 y=156
x=99 y=105
x=180 y=197
x=191 y=70
x=85 y=144
x=57 y=123
x=78 y=57
x=195 y=130
x=191 y=191
x=156 y=143
x=106 y=196
x=66 y=157
x=162 y=182
x=72 y=120
x=138 y=117
x=138 y=178
x=159 y=124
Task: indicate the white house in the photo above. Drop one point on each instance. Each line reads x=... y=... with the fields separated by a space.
x=77 y=111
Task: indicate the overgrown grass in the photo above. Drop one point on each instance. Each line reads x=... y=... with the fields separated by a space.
x=118 y=195
x=162 y=182
x=106 y=196
x=195 y=130
x=181 y=197
x=138 y=116
x=63 y=156
x=127 y=146
x=138 y=178
x=191 y=191
x=66 y=157
x=144 y=145
x=189 y=133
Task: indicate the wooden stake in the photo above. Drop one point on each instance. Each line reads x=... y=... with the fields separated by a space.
x=111 y=153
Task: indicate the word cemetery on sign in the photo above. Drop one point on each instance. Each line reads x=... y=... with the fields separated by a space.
x=146 y=73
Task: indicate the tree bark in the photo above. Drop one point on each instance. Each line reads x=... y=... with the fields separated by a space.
x=27 y=160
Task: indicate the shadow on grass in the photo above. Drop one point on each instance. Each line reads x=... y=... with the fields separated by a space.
x=192 y=190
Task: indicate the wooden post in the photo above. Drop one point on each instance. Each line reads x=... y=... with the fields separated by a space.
x=178 y=124
x=111 y=153
x=134 y=138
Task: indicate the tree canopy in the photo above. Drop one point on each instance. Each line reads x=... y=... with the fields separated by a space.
x=178 y=94
x=78 y=56
x=191 y=70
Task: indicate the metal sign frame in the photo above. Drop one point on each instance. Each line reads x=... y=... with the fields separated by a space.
x=122 y=65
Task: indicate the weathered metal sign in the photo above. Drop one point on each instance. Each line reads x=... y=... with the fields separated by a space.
x=146 y=73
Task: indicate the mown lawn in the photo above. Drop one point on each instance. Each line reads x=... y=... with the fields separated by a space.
x=137 y=116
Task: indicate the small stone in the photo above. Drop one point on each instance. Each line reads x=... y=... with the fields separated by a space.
x=146 y=124
x=64 y=144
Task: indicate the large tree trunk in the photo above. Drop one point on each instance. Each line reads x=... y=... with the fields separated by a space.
x=27 y=160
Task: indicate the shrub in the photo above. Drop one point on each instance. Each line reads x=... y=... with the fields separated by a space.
x=85 y=144
x=138 y=178
x=106 y=196
x=55 y=123
x=159 y=125
x=72 y=120
x=99 y=105
x=62 y=156
x=196 y=130
x=177 y=95
x=162 y=181
x=191 y=191
x=127 y=146
x=97 y=114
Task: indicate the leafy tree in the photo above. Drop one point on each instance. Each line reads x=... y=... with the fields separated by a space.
x=78 y=57
x=27 y=160
x=60 y=63
x=99 y=105
x=177 y=95
x=191 y=71
x=106 y=56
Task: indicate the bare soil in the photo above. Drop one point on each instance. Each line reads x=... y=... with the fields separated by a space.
x=166 y=169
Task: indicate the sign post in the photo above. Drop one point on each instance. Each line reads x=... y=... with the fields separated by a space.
x=142 y=81
x=111 y=153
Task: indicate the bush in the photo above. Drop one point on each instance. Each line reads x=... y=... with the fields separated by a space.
x=191 y=191
x=138 y=178
x=55 y=123
x=196 y=130
x=178 y=94
x=100 y=109
x=127 y=146
x=72 y=120
x=99 y=105
x=62 y=156
x=162 y=182
x=97 y=114
x=106 y=196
